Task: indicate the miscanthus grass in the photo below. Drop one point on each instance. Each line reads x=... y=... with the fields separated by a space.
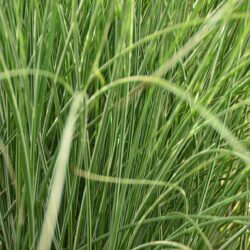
x=124 y=124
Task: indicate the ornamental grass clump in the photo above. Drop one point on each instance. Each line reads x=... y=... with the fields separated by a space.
x=124 y=124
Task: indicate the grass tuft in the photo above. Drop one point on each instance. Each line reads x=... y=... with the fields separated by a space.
x=124 y=124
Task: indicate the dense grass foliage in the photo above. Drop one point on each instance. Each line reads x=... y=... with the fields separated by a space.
x=124 y=124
